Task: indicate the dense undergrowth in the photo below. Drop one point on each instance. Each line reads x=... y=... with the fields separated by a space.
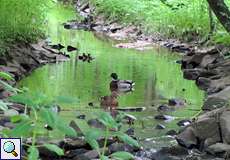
x=181 y=19
x=22 y=20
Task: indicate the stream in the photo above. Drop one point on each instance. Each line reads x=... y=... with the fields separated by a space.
x=157 y=76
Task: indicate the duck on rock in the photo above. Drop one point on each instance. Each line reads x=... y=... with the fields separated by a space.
x=121 y=85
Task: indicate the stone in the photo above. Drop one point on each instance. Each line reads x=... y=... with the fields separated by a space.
x=212 y=103
x=176 y=102
x=115 y=147
x=171 y=133
x=205 y=127
x=163 y=108
x=82 y=116
x=130 y=131
x=184 y=122
x=225 y=126
x=164 y=117
x=11 y=112
x=218 y=148
x=160 y=126
x=71 y=144
x=75 y=152
x=187 y=138
x=96 y=123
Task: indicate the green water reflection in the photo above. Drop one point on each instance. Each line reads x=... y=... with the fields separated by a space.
x=155 y=72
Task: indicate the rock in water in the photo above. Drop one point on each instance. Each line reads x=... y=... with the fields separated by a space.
x=160 y=126
x=184 y=123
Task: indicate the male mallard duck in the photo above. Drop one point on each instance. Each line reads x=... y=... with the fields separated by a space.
x=121 y=85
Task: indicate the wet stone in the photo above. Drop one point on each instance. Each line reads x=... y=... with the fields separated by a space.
x=163 y=117
x=75 y=152
x=115 y=147
x=183 y=123
x=81 y=116
x=160 y=126
x=163 y=108
x=171 y=133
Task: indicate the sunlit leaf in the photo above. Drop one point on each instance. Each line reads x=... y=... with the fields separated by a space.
x=23 y=99
x=127 y=139
x=6 y=76
x=9 y=87
x=33 y=153
x=22 y=129
x=107 y=120
x=65 y=128
x=55 y=149
x=4 y=105
x=122 y=156
x=48 y=116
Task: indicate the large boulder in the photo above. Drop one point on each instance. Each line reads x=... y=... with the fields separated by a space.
x=225 y=126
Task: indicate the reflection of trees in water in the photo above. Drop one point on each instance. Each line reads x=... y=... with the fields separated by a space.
x=150 y=90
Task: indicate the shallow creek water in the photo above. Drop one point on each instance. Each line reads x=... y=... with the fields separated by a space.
x=155 y=73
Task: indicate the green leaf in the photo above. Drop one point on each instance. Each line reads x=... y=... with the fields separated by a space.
x=65 y=128
x=48 y=116
x=33 y=153
x=104 y=158
x=122 y=156
x=127 y=139
x=23 y=99
x=55 y=149
x=4 y=105
x=91 y=137
x=107 y=120
x=6 y=76
x=9 y=87
x=16 y=118
x=22 y=129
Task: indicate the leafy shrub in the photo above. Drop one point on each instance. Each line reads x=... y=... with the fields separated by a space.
x=22 y=20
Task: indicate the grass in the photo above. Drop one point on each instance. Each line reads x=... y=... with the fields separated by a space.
x=22 y=20
x=181 y=19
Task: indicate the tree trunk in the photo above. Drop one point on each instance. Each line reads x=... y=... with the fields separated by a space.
x=221 y=11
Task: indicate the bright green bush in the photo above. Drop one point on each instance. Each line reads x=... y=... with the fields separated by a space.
x=22 y=19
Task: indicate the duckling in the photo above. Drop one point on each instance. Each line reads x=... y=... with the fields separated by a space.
x=71 y=48
x=121 y=85
x=110 y=103
x=57 y=46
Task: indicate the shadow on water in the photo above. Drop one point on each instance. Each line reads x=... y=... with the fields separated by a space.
x=155 y=73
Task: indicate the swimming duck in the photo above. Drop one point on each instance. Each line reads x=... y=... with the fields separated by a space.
x=121 y=85
x=71 y=48
x=110 y=103
x=57 y=46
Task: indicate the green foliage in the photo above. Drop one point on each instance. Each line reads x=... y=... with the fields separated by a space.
x=33 y=153
x=111 y=130
x=33 y=124
x=122 y=156
x=22 y=20
x=173 y=18
x=55 y=149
